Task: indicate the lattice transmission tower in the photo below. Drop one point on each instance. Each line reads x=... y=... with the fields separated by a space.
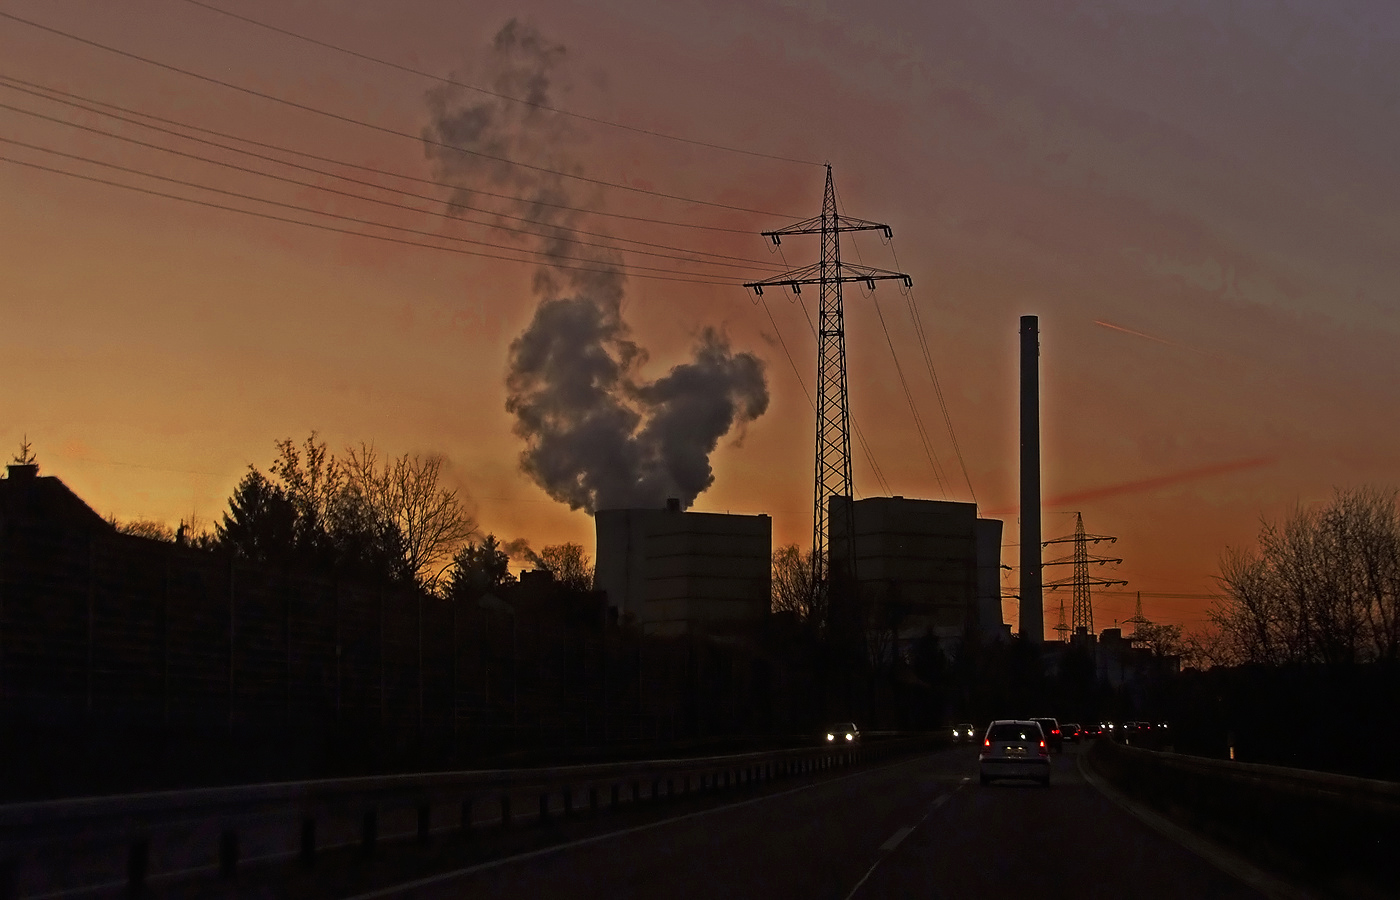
x=1083 y=609
x=1138 y=619
x=833 y=463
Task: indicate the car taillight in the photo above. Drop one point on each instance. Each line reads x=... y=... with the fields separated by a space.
x=1054 y=731
x=1043 y=751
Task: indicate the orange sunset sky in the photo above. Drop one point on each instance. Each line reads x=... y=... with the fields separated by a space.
x=1197 y=198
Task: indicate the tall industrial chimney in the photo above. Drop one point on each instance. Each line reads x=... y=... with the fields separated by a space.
x=1032 y=624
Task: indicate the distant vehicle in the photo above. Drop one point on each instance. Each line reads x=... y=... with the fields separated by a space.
x=1092 y=731
x=1014 y=748
x=843 y=733
x=962 y=733
x=1071 y=732
x=1053 y=737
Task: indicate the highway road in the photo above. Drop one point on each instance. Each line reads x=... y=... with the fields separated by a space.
x=918 y=827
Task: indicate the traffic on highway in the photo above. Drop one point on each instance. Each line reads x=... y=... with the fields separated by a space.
x=920 y=826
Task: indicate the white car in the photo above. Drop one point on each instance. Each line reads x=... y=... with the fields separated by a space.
x=1014 y=748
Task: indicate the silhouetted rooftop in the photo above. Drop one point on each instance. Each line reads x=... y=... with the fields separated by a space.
x=29 y=499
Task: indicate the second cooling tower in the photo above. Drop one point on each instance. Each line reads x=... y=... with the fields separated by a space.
x=675 y=572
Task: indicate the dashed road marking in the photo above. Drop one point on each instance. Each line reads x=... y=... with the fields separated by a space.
x=898 y=836
x=895 y=838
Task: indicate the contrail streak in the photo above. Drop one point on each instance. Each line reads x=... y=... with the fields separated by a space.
x=1152 y=337
x=1147 y=484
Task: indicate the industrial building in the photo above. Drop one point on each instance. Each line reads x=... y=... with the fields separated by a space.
x=932 y=564
x=675 y=572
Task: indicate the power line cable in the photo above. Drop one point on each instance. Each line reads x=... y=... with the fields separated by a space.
x=417 y=138
x=490 y=93
x=340 y=162
x=920 y=429
x=330 y=190
x=331 y=228
x=929 y=452
x=356 y=219
x=933 y=376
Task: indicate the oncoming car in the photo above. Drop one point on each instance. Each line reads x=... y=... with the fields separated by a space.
x=843 y=733
x=962 y=733
x=1014 y=748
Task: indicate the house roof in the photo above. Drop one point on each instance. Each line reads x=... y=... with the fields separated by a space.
x=28 y=498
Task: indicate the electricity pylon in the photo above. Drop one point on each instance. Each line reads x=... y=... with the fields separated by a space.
x=833 y=468
x=1083 y=614
x=1138 y=619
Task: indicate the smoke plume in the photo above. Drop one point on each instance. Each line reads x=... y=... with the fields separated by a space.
x=596 y=433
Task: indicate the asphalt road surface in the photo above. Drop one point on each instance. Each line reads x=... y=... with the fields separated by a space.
x=920 y=827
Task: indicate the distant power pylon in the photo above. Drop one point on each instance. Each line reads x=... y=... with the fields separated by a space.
x=1062 y=628
x=833 y=469
x=1083 y=614
x=1138 y=620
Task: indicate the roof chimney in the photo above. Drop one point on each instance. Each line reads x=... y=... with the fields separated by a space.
x=23 y=471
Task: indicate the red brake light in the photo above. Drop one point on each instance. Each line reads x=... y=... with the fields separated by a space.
x=1043 y=751
x=987 y=742
x=1054 y=731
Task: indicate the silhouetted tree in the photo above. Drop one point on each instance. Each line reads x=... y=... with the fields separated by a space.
x=1159 y=640
x=1324 y=587
x=793 y=589
x=406 y=492
x=312 y=480
x=25 y=456
x=261 y=522
x=477 y=569
x=366 y=543
x=569 y=565
x=146 y=528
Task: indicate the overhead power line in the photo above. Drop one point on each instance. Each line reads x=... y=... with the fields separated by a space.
x=417 y=138
x=350 y=194
x=548 y=258
x=933 y=375
x=47 y=91
x=287 y=32
x=337 y=230
x=924 y=439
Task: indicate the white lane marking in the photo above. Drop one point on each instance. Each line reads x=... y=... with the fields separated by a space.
x=898 y=836
x=895 y=838
x=967 y=779
x=545 y=851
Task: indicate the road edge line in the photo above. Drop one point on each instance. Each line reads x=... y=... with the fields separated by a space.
x=1223 y=858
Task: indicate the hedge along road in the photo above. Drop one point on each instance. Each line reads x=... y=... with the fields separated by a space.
x=920 y=827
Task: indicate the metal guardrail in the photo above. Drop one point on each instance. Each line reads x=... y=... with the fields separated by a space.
x=102 y=844
x=1317 y=826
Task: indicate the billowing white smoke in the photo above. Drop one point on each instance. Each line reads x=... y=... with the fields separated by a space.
x=597 y=435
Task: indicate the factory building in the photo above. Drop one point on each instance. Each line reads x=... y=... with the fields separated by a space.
x=676 y=573
x=928 y=565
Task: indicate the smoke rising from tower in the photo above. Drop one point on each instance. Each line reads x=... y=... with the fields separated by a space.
x=596 y=433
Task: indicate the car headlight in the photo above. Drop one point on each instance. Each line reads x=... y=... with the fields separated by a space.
x=831 y=737
x=850 y=737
